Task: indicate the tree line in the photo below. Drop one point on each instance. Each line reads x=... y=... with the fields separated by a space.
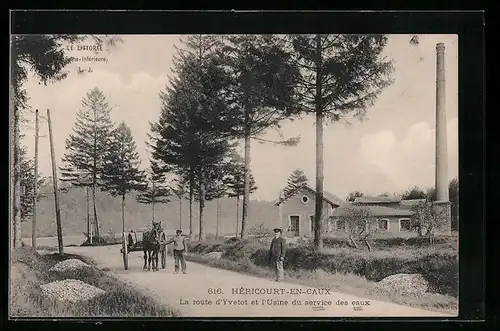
x=231 y=89
x=225 y=89
x=102 y=155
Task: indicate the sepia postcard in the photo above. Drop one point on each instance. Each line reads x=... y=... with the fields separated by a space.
x=234 y=176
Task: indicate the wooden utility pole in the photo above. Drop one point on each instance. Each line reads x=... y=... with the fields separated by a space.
x=56 y=191
x=35 y=185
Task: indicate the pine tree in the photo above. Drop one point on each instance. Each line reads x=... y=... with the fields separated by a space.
x=296 y=179
x=174 y=143
x=261 y=91
x=27 y=185
x=88 y=144
x=191 y=135
x=43 y=56
x=154 y=192
x=341 y=76
x=121 y=173
x=236 y=184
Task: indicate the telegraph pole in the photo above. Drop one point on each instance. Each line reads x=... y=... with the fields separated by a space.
x=35 y=185
x=56 y=191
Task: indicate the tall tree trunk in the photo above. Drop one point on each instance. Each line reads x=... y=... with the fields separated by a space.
x=153 y=201
x=191 y=199
x=217 y=221
x=318 y=240
x=153 y=205
x=16 y=173
x=180 y=212
x=246 y=191
x=97 y=232
x=201 y=197
x=88 y=213
x=123 y=212
x=237 y=214
x=94 y=179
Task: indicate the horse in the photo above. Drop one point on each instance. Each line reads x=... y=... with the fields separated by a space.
x=151 y=244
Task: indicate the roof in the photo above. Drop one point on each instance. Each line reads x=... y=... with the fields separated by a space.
x=410 y=203
x=327 y=196
x=377 y=211
x=367 y=200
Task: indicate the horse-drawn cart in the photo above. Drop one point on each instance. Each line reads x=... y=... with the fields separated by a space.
x=131 y=244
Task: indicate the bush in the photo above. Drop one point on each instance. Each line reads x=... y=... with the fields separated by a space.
x=445 y=242
x=104 y=240
x=439 y=267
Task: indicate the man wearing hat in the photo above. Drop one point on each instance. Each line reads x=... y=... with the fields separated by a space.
x=277 y=254
x=180 y=247
x=132 y=239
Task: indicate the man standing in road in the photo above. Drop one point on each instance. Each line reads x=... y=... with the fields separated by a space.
x=180 y=247
x=277 y=254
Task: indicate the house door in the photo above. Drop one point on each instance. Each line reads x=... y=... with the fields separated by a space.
x=294 y=225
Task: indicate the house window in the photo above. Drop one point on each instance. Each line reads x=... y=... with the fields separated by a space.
x=340 y=225
x=311 y=218
x=329 y=225
x=304 y=199
x=294 y=224
x=383 y=225
x=404 y=225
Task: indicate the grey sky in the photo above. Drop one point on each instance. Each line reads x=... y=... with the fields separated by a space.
x=390 y=151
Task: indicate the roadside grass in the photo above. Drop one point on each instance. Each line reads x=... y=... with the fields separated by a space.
x=381 y=242
x=29 y=270
x=334 y=269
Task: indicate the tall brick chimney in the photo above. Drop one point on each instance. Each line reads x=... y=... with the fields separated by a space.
x=442 y=203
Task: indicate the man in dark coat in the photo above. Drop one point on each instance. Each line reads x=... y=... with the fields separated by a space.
x=277 y=254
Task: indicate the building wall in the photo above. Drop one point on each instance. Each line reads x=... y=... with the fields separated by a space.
x=294 y=207
x=393 y=228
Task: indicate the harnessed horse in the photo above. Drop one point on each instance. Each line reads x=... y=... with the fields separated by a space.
x=151 y=244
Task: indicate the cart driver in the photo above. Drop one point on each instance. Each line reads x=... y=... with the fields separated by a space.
x=131 y=239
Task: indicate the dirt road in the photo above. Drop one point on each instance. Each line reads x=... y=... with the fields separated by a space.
x=237 y=295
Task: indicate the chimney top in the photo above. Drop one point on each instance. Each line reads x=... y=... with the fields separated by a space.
x=440 y=47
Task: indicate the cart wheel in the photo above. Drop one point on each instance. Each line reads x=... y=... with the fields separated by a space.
x=125 y=251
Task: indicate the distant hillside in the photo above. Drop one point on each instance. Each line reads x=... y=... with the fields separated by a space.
x=73 y=214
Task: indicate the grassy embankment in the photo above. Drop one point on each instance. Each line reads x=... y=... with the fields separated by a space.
x=29 y=270
x=346 y=270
